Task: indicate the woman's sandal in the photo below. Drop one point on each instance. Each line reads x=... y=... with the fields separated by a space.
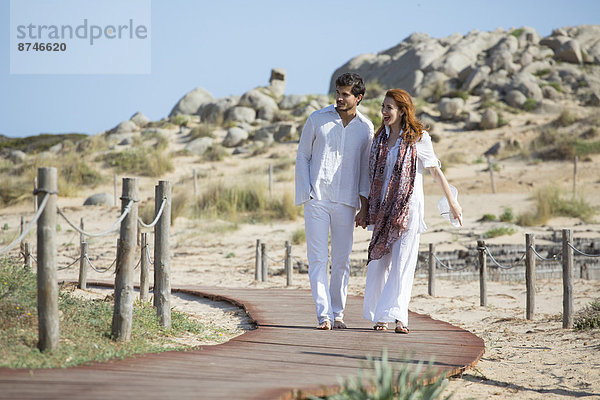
x=400 y=328
x=381 y=326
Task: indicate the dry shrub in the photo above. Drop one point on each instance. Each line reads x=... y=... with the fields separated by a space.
x=549 y=203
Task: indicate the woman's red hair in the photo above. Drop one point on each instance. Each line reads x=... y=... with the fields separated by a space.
x=412 y=128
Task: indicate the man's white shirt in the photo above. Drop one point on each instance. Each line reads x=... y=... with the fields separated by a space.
x=333 y=161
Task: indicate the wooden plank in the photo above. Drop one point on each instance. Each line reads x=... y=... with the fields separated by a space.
x=284 y=353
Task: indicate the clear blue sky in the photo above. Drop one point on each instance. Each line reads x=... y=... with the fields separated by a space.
x=228 y=47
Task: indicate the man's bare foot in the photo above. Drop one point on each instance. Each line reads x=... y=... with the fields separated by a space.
x=339 y=324
x=325 y=325
x=381 y=326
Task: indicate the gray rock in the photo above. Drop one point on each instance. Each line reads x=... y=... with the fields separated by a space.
x=277 y=82
x=55 y=149
x=214 y=112
x=191 y=102
x=265 y=134
x=434 y=84
x=515 y=98
x=570 y=52
x=548 y=107
x=265 y=105
x=554 y=42
x=155 y=131
x=98 y=199
x=124 y=127
x=528 y=36
x=450 y=109
x=527 y=84
x=286 y=132
x=550 y=93
x=126 y=141
x=475 y=78
x=473 y=120
x=139 y=119
x=292 y=101
x=536 y=66
x=199 y=146
x=307 y=109
x=235 y=136
x=502 y=60
x=17 y=156
x=428 y=123
x=240 y=150
x=489 y=119
x=242 y=114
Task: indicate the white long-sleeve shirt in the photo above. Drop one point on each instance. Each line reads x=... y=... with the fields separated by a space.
x=333 y=161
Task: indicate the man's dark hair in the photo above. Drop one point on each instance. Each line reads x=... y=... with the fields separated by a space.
x=354 y=80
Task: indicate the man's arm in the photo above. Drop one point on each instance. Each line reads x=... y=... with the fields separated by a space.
x=303 y=157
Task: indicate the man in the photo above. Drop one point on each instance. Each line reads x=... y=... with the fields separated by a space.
x=332 y=181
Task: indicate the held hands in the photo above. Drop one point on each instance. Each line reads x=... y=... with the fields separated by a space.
x=361 y=218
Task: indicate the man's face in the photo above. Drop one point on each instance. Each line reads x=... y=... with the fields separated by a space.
x=344 y=99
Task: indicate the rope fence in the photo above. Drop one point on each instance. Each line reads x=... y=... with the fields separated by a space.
x=129 y=224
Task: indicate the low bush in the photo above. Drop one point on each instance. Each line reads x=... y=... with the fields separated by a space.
x=383 y=381
x=588 y=317
x=139 y=160
x=549 y=202
x=500 y=231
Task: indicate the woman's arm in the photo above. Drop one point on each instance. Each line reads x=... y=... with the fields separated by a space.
x=441 y=180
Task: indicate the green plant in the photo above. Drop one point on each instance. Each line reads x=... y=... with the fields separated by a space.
x=383 y=381
x=202 y=130
x=459 y=93
x=553 y=84
x=181 y=120
x=530 y=104
x=85 y=326
x=507 y=215
x=139 y=160
x=487 y=218
x=542 y=72
x=588 y=317
x=517 y=32
x=298 y=236
x=565 y=118
x=214 y=153
x=500 y=231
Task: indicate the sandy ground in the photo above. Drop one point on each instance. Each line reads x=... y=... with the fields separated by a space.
x=523 y=359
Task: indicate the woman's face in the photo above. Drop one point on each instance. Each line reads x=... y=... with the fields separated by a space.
x=392 y=116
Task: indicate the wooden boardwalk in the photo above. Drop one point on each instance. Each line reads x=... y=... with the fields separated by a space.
x=284 y=357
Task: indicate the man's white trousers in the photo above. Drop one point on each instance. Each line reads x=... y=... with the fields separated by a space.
x=321 y=217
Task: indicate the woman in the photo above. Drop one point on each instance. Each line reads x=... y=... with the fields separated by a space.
x=401 y=150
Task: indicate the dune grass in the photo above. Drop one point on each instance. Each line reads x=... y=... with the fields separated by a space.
x=588 y=317
x=550 y=202
x=249 y=202
x=139 y=160
x=383 y=381
x=85 y=326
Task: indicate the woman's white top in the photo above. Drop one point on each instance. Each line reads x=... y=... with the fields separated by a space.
x=426 y=158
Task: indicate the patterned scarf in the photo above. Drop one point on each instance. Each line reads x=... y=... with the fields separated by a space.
x=390 y=217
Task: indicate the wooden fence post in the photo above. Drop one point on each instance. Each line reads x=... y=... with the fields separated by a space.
x=83 y=265
x=431 y=285
x=47 y=283
x=162 y=255
x=491 y=168
x=257 y=262
x=567 y=265
x=144 y=270
x=575 y=176
x=123 y=309
x=195 y=183
x=27 y=253
x=265 y=266
x=35 y=198
x=115 y=189
x=482 y=273
x=288 y=263
x=530 y=274
x=270 y=181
